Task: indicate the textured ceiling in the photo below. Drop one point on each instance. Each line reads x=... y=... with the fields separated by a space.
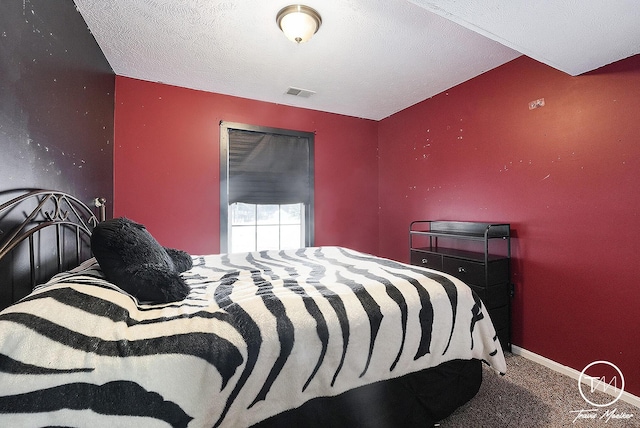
x=370 y=58
x=574 y=36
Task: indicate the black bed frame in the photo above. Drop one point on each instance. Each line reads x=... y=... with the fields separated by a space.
x=42 y=232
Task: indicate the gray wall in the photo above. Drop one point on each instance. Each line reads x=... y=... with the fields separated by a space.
x=56 y=120
x=56 y=101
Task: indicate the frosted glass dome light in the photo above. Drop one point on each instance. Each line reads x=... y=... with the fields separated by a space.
x=298 y=22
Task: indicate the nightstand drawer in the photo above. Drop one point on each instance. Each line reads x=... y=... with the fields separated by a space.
x=468 y=271
x=493 y=296
x=504 y=337
x=428 y=260
x=499 y=317
x=473 y=272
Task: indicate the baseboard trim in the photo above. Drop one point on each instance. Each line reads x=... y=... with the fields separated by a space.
x=567 y=371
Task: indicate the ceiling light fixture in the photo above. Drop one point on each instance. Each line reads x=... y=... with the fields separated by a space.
x=298 y=22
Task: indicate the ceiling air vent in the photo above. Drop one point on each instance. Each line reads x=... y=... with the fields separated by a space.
x=297 y=92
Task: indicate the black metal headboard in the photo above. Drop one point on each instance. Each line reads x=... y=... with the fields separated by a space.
x=42 y=232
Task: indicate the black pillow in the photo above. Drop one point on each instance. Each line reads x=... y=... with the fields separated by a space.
x=133 y=260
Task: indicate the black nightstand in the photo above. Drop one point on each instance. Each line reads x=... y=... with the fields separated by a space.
x=477 y=253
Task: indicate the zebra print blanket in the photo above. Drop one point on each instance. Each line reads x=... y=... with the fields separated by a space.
x=259 y=333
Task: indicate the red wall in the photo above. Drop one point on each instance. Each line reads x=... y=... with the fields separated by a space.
x=167 y=164
x=565 y=176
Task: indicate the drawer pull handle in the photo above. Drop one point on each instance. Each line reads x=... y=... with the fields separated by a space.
x=461 y=270
x=424 y=261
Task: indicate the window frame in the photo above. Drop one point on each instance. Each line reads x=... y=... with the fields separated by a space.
x=225 y=224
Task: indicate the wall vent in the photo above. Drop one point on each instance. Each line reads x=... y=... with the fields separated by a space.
x=297 y=92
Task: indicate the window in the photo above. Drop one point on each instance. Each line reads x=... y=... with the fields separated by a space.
x=266 y=227
x=266 y=188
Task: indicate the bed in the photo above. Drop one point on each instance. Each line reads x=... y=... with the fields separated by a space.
x=318 y=336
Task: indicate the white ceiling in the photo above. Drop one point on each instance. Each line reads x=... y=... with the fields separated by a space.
x=370 y=58
x=574 y=36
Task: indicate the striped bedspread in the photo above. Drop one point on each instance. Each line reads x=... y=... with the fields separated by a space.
x=259 y=333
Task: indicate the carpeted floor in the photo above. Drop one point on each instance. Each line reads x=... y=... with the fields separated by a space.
x=531 y=395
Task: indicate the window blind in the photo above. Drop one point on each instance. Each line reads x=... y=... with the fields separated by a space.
x=268 y=168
